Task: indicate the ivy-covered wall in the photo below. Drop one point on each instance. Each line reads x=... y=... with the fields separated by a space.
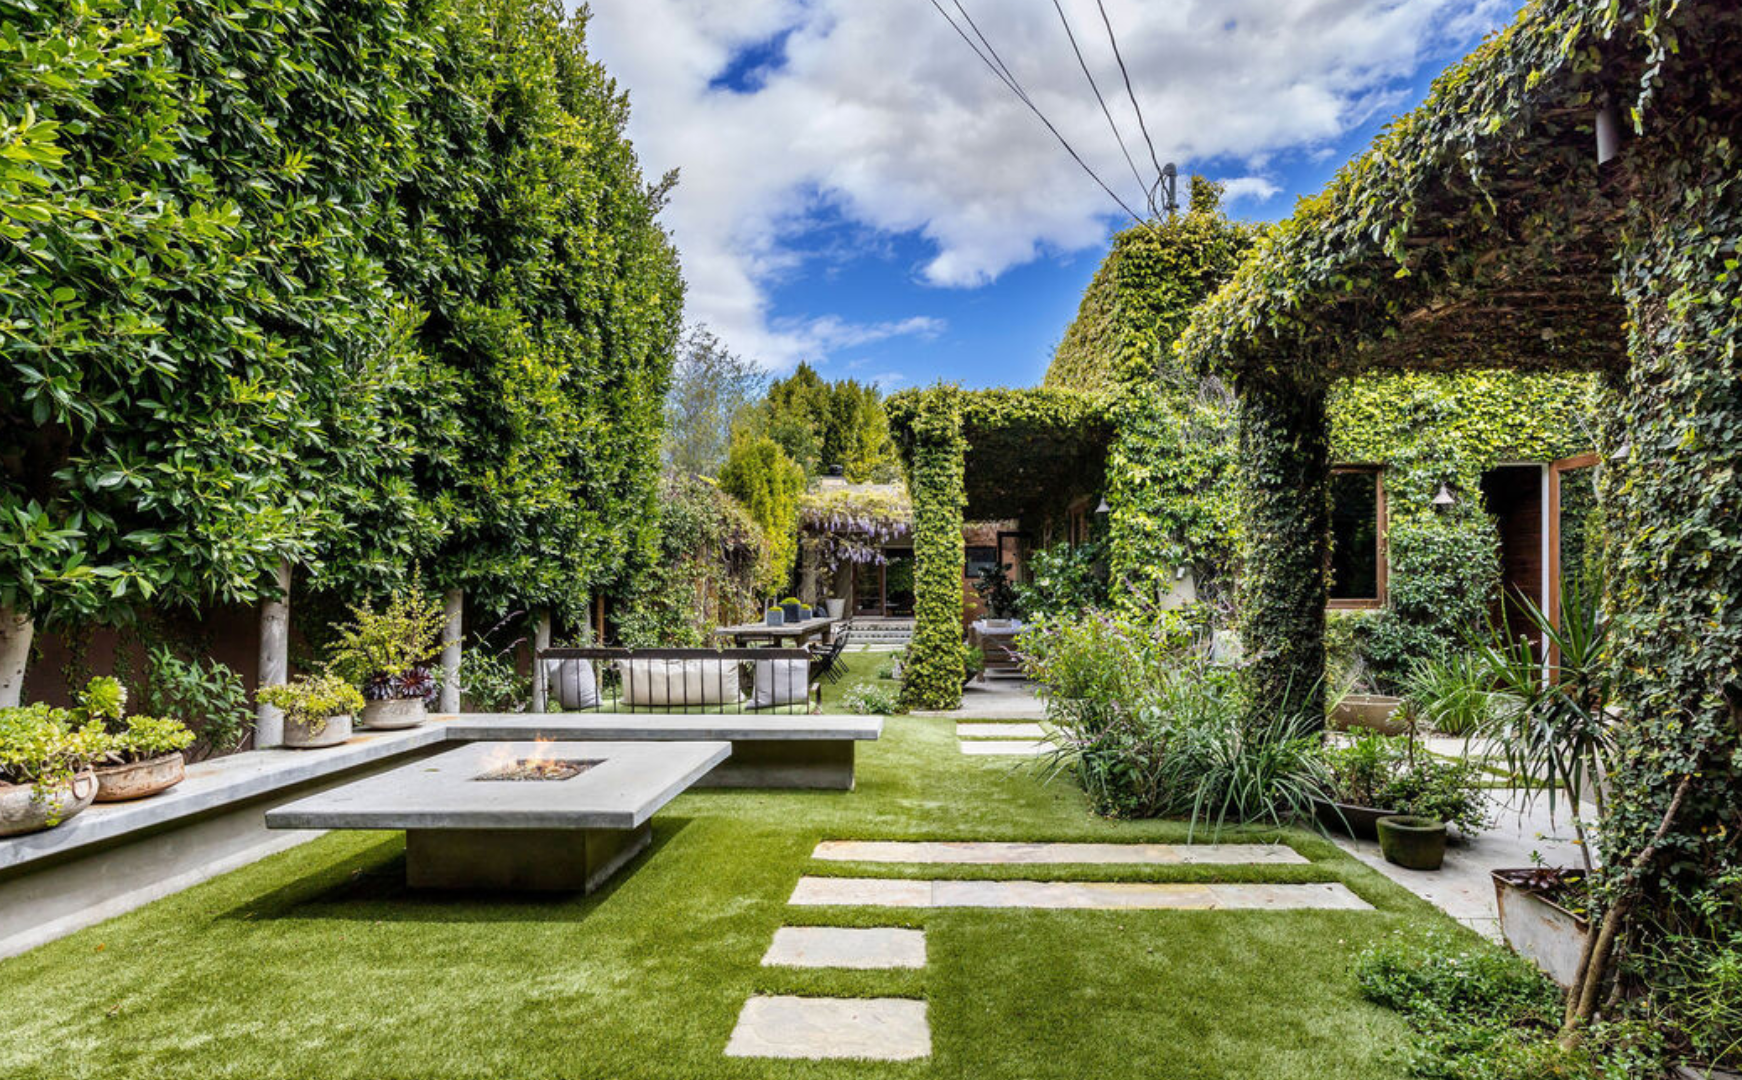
x=928 y=427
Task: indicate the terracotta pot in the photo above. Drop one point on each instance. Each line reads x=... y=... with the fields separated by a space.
x=1361 y=822
x=136 y=780
x=394 y=713
x=1537 y=928
x=302 y=736
x=22 y=812
x=1414 y=843
x=1374 y=712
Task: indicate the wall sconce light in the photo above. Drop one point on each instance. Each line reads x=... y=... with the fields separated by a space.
x=1103 y=508
x=1445 y=498
x=1623 y=452
x=1608 y=133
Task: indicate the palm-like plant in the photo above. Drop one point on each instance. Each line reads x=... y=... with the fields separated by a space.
x=1549 y=718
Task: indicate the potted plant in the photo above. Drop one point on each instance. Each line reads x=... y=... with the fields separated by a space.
x=386 y=655
x=791 y=607
x=1378 y=777
x=1543 y=913
x=317 y=709
x=45 y=767
x=1412 y=842
x=142 y=755
x=973 y=664
x=774 y=616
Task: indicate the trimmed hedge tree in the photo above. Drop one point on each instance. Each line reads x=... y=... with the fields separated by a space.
x=930 y=427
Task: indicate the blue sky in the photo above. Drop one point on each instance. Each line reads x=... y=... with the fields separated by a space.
x=857 y=191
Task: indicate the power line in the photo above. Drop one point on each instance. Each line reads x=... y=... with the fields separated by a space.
x=1160 y=173
x=1008 y=78
x=1148 y=190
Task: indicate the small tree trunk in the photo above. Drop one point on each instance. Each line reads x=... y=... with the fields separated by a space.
x=274 y=660
x=17 y=629
x=453 y=604
x=540 y=642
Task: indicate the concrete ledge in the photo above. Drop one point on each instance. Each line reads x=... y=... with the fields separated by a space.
x=662 y=727
x=214 y=785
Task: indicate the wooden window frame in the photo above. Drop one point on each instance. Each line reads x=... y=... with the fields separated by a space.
x=1552 y=568
x=1381 y=541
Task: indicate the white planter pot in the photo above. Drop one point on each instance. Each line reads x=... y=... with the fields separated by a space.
x=22 y=812
x=837 y=608
x=302 y=736
x=394 y=713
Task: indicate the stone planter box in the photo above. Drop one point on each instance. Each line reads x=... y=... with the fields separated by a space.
x=1373 y=712
x=394 y=713
x=1414 y=843
x=1361 y=822
x=775 y=617
x=302 y=736
x=792 y=611
x=1537 y=928
x=140 y=779
x=22 y=812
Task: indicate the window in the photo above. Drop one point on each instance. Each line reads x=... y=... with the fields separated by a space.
x=980 y=558
x=1357 y=569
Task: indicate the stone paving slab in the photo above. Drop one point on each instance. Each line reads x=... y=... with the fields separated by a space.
x=1108 y=895
x=1000 y=731
x=1044 y=854
x=881 y=1029
x=846 y=947
x=1004 y=748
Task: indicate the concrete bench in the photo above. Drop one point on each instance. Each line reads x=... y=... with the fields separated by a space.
x=767 y=751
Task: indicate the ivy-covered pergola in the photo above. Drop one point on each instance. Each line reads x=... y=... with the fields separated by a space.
x=1568 y=198
x=981 y=455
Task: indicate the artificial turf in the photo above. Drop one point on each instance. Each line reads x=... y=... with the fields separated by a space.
x=317 y=963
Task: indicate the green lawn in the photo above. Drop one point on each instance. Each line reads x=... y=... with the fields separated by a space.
x=316 y=963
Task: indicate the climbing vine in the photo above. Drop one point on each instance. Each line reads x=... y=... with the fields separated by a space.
x=929 y=432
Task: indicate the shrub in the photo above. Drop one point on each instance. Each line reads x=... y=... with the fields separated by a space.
x=1063 y=581
x=1450 y=692
x=205 y=695
x=868 y=697
x=310 y=699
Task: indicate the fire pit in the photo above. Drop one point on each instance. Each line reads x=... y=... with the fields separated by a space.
x=535 y=816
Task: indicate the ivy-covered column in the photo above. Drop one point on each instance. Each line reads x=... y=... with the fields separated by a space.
x=932 y=673
x=1285 y=469
x=1673 y=491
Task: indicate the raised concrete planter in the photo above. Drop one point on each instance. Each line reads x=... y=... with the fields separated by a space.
x=115 y=857
x=466 y=828
x=1373 y=712
x=814 y=752
x=139 y=779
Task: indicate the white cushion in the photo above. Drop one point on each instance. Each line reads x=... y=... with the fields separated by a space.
x=573 y=683
x=781 y=682
x=680 y=682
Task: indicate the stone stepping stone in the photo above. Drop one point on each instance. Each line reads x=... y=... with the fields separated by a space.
x=1107 y=895
x=881 y=1029
x=1000 y=731
x=846 y=947
x=1045 y=854
x=994 y=748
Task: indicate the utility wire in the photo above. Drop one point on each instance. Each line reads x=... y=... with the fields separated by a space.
x=1148 y=190
x=1138 y=109
x=996 y=64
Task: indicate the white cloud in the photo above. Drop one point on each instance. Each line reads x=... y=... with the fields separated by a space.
x=882 y=116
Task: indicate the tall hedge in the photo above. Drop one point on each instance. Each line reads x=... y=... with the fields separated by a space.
x=346 y=283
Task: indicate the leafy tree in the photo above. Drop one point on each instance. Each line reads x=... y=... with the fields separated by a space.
x=821 y=424
x=711 y=387
x=760 y=475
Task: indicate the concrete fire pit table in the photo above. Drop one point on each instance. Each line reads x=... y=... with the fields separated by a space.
x=532 y=816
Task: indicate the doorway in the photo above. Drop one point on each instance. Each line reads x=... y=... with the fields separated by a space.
x=885 y=591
